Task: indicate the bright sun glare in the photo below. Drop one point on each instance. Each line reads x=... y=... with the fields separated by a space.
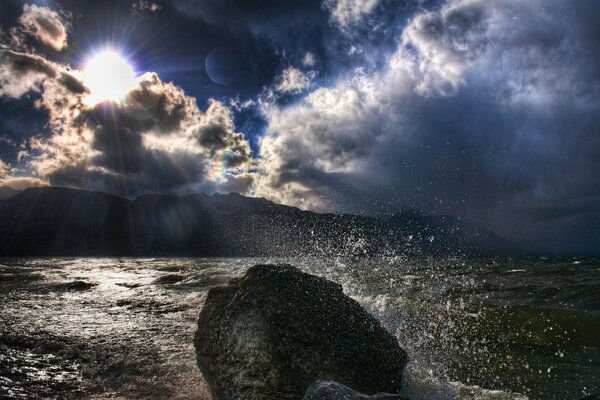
x=108 y=76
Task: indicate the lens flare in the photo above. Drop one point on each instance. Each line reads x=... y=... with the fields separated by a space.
x=108 y=76
x=218 y=165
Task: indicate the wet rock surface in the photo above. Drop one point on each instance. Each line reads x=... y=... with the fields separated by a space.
x=273 y=332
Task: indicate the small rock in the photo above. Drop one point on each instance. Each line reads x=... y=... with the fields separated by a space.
x=169 y=279
x=78 y=286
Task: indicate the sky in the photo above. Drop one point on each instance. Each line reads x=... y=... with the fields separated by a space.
x=482 y=109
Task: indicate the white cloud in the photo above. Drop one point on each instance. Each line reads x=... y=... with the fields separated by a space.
x=4 y=170
x=21 y=73
x=7 y=178
x=331 y=132
x=445 y=43
x=309 y=59
x=293 y=80
x=513 y=44
x=348 y=12
x=45 y=25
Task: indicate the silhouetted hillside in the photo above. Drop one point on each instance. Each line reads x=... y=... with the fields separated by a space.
x=61 y=221
x=6 y=192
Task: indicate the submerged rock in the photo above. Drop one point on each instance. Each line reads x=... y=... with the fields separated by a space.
x=273 y=332
x=78 y=286
x=169 y=279
x=336 y=391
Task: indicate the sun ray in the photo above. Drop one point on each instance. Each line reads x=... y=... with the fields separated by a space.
x=108 y=76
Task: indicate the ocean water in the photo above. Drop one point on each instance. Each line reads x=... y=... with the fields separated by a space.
x=116 y=328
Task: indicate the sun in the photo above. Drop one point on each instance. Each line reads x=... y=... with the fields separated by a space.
x=108 y=76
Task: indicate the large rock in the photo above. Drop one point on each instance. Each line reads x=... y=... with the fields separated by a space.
x=336 y=391
x=273 y=332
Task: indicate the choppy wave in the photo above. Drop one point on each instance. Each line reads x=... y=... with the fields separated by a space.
x=474 y=329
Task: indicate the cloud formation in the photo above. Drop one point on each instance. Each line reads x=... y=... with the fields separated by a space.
x=45 y=25
x=309 y=59
x=4 y=170
x=20 y=72
x=293 y=80
x=155 y=140
x=469 y=116
x=348 y=12
x=8 y=178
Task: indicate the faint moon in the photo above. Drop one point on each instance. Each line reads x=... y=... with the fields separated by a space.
x=225 y=65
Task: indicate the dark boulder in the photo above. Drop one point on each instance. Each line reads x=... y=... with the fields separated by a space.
x=169 y=279
x=273 y=332
x=78 y=286
x=336 y=391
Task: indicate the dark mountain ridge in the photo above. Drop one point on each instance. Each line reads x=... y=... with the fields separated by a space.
x=6 y=192
x=53 y=221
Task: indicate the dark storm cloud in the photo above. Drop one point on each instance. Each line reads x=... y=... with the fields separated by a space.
x=485 y=111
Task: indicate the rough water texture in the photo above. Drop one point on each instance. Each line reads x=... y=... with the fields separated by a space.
x=493 y=328
x=327 y=390
x=274 y=331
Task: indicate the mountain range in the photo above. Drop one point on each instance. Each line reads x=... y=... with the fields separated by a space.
x=56 y=221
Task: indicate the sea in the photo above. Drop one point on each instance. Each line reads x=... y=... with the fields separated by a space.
x=474 y=328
